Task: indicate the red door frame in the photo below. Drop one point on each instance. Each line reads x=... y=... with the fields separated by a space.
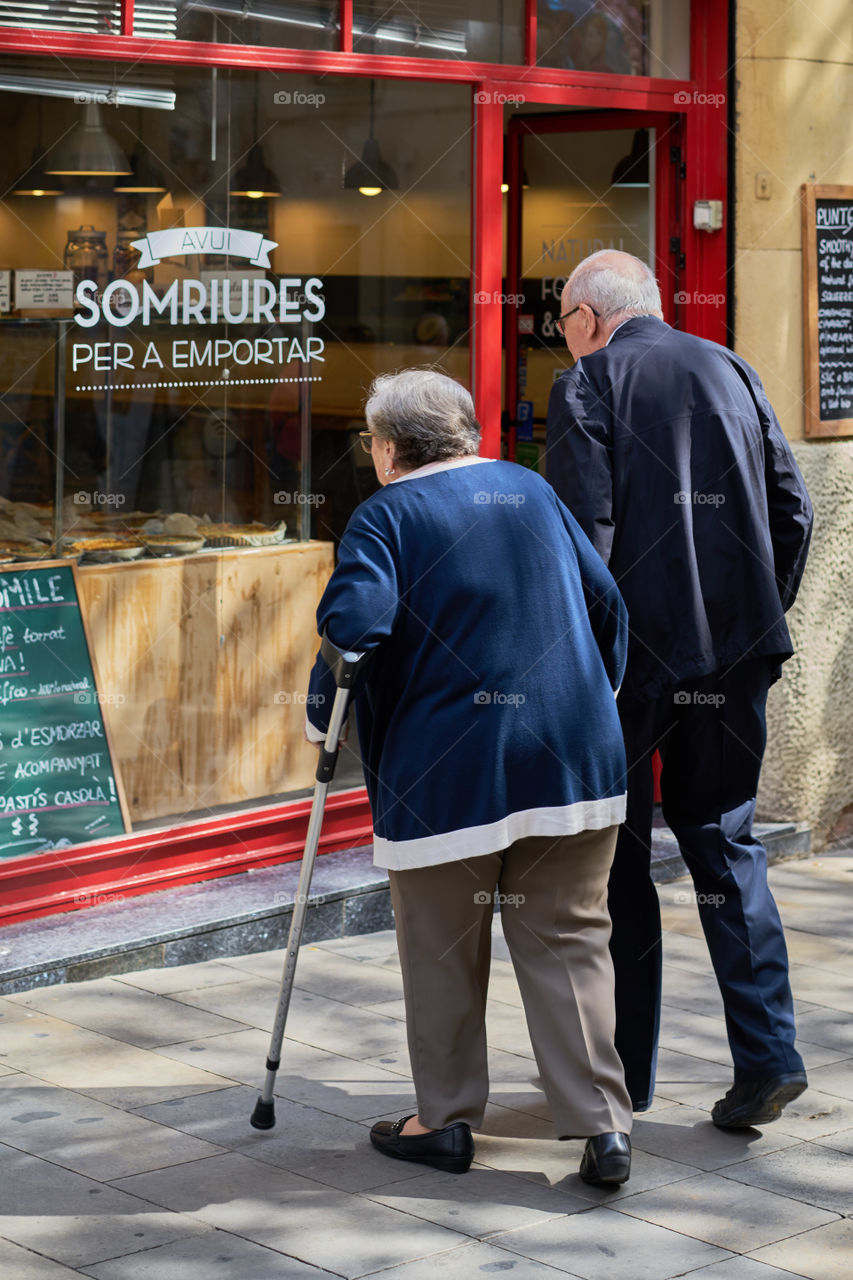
x=126 y=865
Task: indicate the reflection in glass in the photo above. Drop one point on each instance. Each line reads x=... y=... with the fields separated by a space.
x=615 y=37
x=481 y=30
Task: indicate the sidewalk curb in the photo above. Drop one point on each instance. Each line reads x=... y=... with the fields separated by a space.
x=248 y=913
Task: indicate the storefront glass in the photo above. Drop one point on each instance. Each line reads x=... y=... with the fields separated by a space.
x=190 y=318
x=478 y=30
x=615 y=37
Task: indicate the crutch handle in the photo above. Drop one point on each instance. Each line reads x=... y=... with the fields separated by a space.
x=343 y=664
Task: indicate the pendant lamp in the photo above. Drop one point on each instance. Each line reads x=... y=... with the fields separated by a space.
x=370 y=175
x=36 y=181
x=256 y=179
x=633 y=169
x=144 y=178
x=88 y=149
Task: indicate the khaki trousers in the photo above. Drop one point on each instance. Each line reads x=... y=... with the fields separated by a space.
x=554 y=913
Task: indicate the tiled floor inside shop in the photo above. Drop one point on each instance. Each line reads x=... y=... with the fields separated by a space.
x=127 y=1152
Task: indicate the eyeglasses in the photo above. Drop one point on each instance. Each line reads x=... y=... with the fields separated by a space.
x=566 y=314
x=366 y=438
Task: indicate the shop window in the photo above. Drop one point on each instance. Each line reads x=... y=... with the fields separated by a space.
x=479 y=30
x=615 y=37
x=296 y=24
x=98 y=17
x=201 y=275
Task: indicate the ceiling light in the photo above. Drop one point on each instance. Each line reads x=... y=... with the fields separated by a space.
x=145 y=178
x=35 y=181
x=633 y=169
x=88 y=149
x=255 y=179
x=370 y=175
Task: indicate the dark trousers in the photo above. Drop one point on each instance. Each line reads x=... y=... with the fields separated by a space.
x=711 y=735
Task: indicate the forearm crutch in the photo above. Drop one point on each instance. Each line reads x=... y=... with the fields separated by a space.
x=343 y=667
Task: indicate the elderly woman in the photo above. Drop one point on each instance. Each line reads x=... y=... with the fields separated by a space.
x=494 y=764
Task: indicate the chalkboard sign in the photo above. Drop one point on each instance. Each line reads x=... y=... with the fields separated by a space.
x=58 y=784
x=828 y=309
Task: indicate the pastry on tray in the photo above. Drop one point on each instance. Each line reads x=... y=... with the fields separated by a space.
x=242 y=535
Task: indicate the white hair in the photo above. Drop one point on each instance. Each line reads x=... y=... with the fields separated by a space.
x=428 y=416
x=614 y=283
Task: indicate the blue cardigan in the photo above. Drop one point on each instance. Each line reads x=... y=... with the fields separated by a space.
x=487 y=713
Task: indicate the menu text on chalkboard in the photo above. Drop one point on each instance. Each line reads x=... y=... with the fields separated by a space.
x=58 y=783
x=828 y=308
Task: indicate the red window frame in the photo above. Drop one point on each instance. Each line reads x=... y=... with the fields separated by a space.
x=46 y=883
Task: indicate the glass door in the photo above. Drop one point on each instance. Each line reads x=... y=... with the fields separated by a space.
x=577 y=182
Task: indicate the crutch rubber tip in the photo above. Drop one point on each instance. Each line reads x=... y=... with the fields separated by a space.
x=263 y=1116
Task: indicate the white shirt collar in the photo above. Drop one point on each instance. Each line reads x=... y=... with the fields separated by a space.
x=618 y=327
x=430 y=468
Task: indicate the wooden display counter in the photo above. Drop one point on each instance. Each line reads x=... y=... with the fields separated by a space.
x=203 y=664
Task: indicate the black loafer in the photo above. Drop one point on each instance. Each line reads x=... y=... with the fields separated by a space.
x=606 y=1160
x=752 y=1102
x=450 y=1149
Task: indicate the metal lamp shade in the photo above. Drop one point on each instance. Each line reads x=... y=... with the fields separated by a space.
x=36 y=181
x=88 y=149
x=370 y=174
x=255 y=179
x=144 y=178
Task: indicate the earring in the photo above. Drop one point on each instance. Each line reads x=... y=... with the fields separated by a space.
x=389 y=471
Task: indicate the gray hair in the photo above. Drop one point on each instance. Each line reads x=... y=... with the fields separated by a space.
x=614 y=283
x=427 y=415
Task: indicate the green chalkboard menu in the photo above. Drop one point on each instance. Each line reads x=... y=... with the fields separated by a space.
x=58 y=784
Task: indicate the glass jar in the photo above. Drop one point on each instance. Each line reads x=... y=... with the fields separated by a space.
x=126 y=258
x=86 y=255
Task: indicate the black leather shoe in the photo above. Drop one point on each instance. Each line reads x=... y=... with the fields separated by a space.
x=606 y=1160
x=450 y=1149
x=752 y=1102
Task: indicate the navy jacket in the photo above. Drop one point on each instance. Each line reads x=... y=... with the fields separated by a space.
x=487 y=713
x=666 y=450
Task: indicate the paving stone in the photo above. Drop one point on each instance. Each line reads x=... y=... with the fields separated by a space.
x=812 y=985
x=313 y=1019
x=836 y=1078
x=815 y=1115
x=604 y=1244
x=163 y=982
x=18 y=1263
x=841 y=1141
x=376 y=948
x=74 y=1058
x=481 y=1204
x=217 y=1255
x=345 y=1234
x=828 y=1027
x=724 y=1213
x=687 y=1134
x=331 y=1082
x=694 y=1033
x=551 y=1163
x=77 y=1220
x=79 y=1133
x=328 y=974
x=816 y=1175
x=742 y=1268
x=822 y=1254
x=818 y=952
x=305 y=1140
x=131 y=1016
x=470 y=1260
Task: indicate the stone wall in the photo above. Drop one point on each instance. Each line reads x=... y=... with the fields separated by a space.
x=794 y=124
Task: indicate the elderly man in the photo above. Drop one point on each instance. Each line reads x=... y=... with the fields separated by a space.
x=667 y=452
